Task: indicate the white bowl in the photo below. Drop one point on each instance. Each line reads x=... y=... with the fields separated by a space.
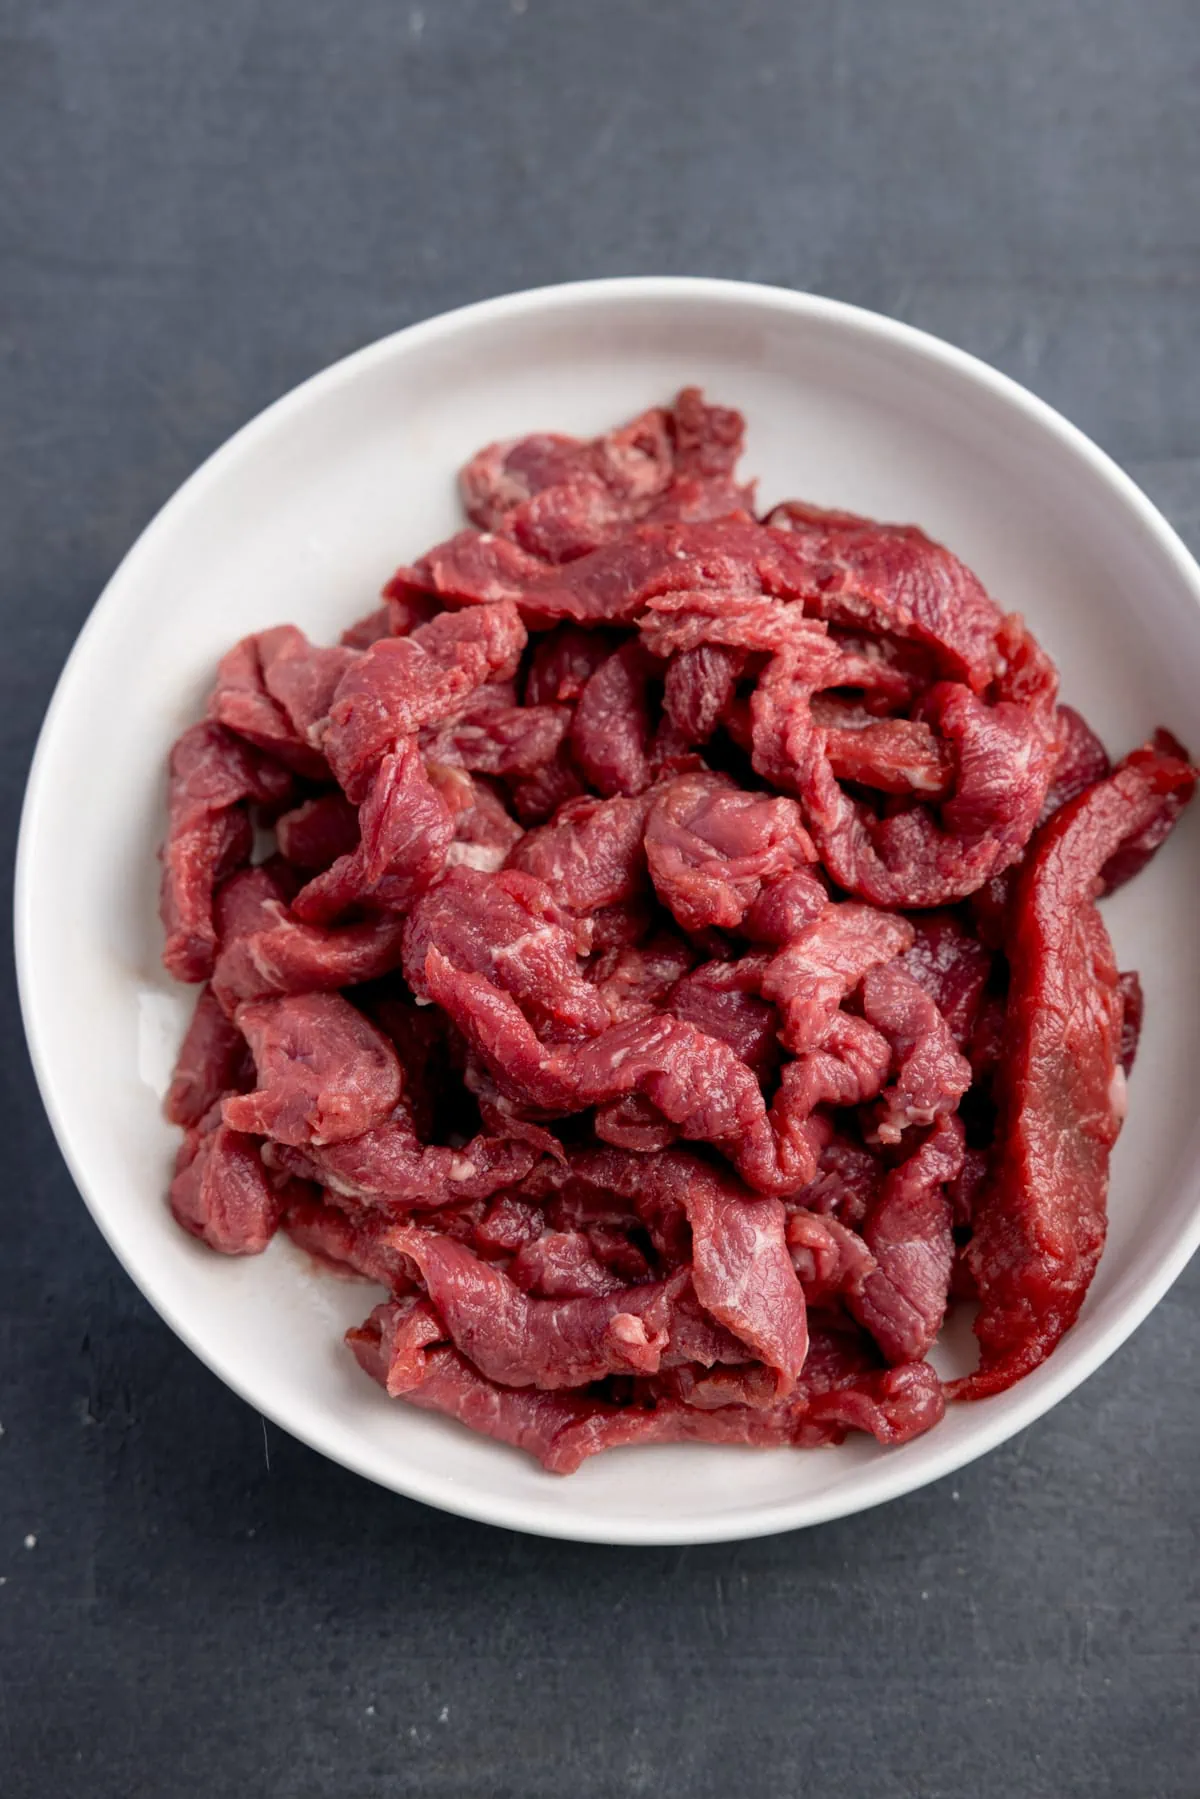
x=300 y=517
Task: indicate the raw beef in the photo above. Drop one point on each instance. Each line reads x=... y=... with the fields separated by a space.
x=678 y=980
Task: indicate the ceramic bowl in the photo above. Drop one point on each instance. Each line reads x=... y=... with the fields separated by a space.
x=301 y=517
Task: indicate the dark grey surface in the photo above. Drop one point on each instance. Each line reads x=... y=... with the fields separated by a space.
x=202 y=201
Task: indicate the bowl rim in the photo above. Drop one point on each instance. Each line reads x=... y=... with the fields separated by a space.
x=892 y=1476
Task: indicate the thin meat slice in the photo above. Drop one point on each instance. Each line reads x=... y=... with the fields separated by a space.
x=213 y=1060
x=724 y=1000
x=697 y=1082
x=324 y=1072
x=241 y=701
x=499 y=740
x=369 y=629
x=274 y=689
x=892 y=755
x=902 y=1300
x=563 y=522
x=894 y=579
x=546 y=1343
x=250 y=899
x=930 y=1075
x=536 y=798
x=287 y=956
x=399 y=1344
x=613 y=727
x=405 y=833
x=889 y=578
x=811 y=975
x=1131 y=1019
x=406 y=609
x=485 y=832
x=302 y=677
x=742 y=1269
x=613 y=583
x=388 y=1168
x=402 y=684
x=212 y=776
x=849 y=1069
x=508 y=927
x=503 y=476
x=630 y=467
x=1040 y=1222
x=953 y=967
x=845 y=1183
x=634 y=1122
x=563 y=662
x=830 y=1259
x=353 y=1245
x=785 y=908
x=509 y=1225
x=699 y=688
x=592 y=856
x=708 y=439
x=1001 y=748
x=420 y=1037
x=841 y=1390
x=220 y=1191
x=1139 y=848
x=561 y=496
x=1082 y=762
x=1004 y=754
x=439 y=1379
x=634 y=981
x=711 y=848
x=562 y=1265
x=317 y=832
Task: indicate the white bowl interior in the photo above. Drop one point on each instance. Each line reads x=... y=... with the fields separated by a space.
x=301 y=518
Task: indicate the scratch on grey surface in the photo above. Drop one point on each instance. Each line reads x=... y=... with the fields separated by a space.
x=266 y=1445
x=721 y=1613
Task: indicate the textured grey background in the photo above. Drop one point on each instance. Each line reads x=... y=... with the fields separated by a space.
x=202 y=201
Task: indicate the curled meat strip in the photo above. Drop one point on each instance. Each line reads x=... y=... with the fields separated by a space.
x=1039 y=1222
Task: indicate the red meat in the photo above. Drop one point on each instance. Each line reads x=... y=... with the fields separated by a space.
x=902 y=1300
x=508 y=927
x=213 y=1060
x=592 y=856
x=318 y=832
x=221 y=1192
x=388 y=1168
x=1040 y=1223
x=699 y=688
x=723 y=999
x=929 y=1076
x=728 y=950
x=208 y=835
x=635 y=982
x=811 y=976
x=405 y=833
x=324 y=1072
x=613 y=727
x=547 y=1343
x=353 y=1245
x=402 y=684
x=712 y=849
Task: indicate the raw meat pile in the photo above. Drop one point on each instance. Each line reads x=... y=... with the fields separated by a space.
x=678 y=979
